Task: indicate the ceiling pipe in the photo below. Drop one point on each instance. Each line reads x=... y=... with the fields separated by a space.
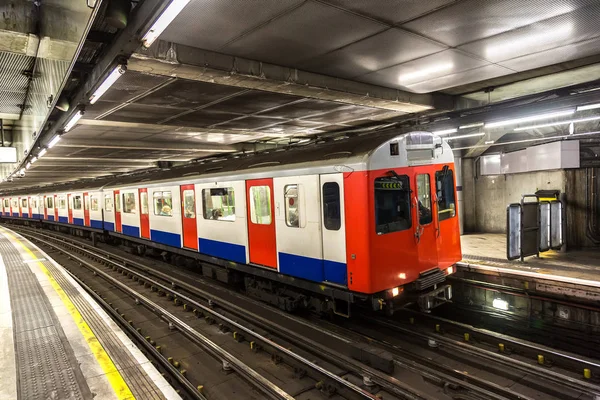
x=2 y=130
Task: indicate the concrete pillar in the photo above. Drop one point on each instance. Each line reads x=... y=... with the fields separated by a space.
x=459 y=191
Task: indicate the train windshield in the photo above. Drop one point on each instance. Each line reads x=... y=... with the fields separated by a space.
x=392 y=204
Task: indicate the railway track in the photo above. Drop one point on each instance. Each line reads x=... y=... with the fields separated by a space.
x=348 y=349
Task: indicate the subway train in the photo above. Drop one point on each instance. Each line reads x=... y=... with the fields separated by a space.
x=367 y=221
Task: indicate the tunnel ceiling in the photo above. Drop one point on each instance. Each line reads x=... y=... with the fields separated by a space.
x=242 y=76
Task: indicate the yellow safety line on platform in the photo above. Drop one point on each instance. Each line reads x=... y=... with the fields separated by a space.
x=110 y=370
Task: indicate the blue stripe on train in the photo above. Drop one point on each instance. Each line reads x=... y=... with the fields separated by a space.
x=94 y=223
x=131 y=230
x=109 y=226
x=228 y=251
x=50 y=217
x=15 y=214
x=312 y=269
x=25 y=215
x=78 y=221
x=37 y=216
x=168 y=238
x=63 y=219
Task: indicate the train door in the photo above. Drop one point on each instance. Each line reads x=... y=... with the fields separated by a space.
x=448 y=234
x=29 y=207
x=118 y=227
x=144 y=214
x=261 y=222
x=426 y=222
x=86 y=209
x=55 y=208
x=70 y=207
x=45 y=208
x=188 y=216
x=333 y=230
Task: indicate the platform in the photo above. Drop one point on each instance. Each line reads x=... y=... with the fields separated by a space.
x=489 y=251
x=56 y=342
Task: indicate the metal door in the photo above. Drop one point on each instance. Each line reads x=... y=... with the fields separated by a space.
x=55 y=209
x=70 y=208
x=45 y=208
x=144 y=213
x=426 y=221
x=262 y=238
x=188 y=216
x=30 y=209
x=333 y=229
x=86 y=208
x=118 y=227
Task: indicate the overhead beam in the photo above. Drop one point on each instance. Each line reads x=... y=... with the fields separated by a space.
x=27 y=44
x=170 y=59
x=146 y=145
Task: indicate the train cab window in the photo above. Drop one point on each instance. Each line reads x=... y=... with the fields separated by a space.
x=129 y=203
x=77 y=203
x=144 y=202
x=332 y=216
x=218 y=204
x=108 y=203
x=292 y=210
x=94 y=203
x=392 y=204
x=189 y=204
x=424 y=199
x=163 y=204
x=445 y=194
x=260 y=205
x=49 y=202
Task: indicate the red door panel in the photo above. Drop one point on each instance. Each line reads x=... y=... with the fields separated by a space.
x=86 y=209
x=29 y=207
x=118 y=227
x=261 y=236
x=55 y=208
x=425 y=218
x=70 y=208
x=144 y=220
x=20 y=208
x=45 y=209
x=188 y=215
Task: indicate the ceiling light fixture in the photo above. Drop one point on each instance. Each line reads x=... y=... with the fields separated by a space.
x=28 y=165
x=34 y=159
x=53 y=142
x=116 y=73
x=588 y=107
x=528 y=119
x=42 y=152
x=489 y=142
x=535 y=40
x=570 y=121
x=167 y=16
x=73 y=121
x=425 y=72
x=475 y=125
x=445 y=131
x=470 y=135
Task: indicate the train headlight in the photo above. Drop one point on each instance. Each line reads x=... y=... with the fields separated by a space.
x=450 y=270
x=395 y=292
x=500 y=304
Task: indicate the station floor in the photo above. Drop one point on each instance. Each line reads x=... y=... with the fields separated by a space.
x=489 y=250
x=56 y=342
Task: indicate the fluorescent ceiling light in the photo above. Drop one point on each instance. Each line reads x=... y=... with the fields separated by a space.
x=42 y=152
x=108 y=82
x=445 y=131
x=163 y=21
x=570 y=121
x=528 y=119
x=588 y=107
x=73 y=121
x=22 y=171
x=465 y=136
x=34 y=159
x=535 y=40
x=425 y=72
x=53 y=142
x=489 y=142
x=28 y=165
x=475 y=125
x=500 y=304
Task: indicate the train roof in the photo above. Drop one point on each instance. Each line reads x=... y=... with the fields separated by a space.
x=354 y=151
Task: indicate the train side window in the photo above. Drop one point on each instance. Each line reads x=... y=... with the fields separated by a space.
x=62 y=203
x=94 y=203
x=189 y=204
x=34 y=201
x=163 y=204
x=15 y=203
x=6 y=204
x=77 y=203
x=332 y=216
x=24 y=203
x=108 y=203
x=424 y=199
x=49 y=202
x=129 y=203
x=392 y=204
x=260 y=205
x=218 y=204
x=86 y=203
x=144 y=201
x=445 y=194
x=292 y=208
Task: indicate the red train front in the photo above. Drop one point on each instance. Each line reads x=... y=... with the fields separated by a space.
x=402 y=228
